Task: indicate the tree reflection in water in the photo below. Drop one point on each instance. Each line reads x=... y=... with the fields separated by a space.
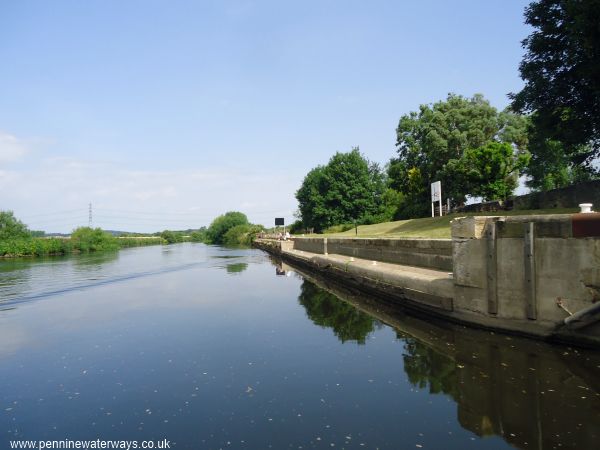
x=531 y=394
x=326 y=310
x=236 y=268
x=427 y=368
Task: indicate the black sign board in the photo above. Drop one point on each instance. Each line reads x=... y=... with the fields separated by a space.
x=279 y=221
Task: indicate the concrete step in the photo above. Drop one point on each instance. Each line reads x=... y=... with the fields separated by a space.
x=436 y=286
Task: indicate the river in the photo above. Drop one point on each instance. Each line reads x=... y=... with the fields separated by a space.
x=214 y=348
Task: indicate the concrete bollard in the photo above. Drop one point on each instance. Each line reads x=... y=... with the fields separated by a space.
x=585 y=208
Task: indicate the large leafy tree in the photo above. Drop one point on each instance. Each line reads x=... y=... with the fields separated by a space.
x=490 y=171
x=11 y=227
x=349 y=188
x=561 y=70
x=215 y=233
x=438 y=134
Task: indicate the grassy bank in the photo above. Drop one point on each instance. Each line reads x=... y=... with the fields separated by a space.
x=430 y=227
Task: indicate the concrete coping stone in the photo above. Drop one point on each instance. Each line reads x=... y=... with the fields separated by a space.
x=549 y=225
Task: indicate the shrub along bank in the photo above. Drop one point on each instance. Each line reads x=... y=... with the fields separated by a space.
x=17 y=240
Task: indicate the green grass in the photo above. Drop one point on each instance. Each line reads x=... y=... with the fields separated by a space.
x=432 y=227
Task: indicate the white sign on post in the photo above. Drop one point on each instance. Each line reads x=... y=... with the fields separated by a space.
x=436 y=196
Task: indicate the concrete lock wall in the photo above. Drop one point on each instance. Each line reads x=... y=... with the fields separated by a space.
x=311 y=245
x=430 y=253
x=518 y=267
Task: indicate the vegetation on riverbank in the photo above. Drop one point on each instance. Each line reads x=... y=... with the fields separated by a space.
x=231 y=229
x=16 y=240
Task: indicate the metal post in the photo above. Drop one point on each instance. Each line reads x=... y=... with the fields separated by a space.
x=491 y=265
x=530 y=287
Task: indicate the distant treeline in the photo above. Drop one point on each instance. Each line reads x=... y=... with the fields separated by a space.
x=232 y=228
x=17 y=240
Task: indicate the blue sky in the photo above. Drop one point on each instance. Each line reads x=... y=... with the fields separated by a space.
x=164 y=114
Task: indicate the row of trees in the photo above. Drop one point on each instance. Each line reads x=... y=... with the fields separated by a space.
x=469 y=145
x=550 y=133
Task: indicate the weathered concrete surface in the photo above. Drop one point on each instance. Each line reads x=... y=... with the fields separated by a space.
x=522 y=274
x=560 y=266
x=431 y=253
x=313 y=245
x=429 y=286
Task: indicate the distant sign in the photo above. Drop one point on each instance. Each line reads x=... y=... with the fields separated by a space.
x=279 y=221
x=436 y=191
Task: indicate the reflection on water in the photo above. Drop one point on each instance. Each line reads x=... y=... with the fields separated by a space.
x=326 y=310
x=531 y=394
x=235 y=268
x=154 y=343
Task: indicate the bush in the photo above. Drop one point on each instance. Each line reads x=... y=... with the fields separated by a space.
x=34 y=247
x=86 y=239
x=241 y=234
x=222 y=224
x=297 y=227
x=170 y=237
x=140 y=241
x=198 y=236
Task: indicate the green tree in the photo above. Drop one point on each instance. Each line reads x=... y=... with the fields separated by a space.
x=242 y=234
x=490 y=171
x=561 y=70
x=170 y=237
x=86 y=239
x=198 y=235
x=349 y=188
x=551 y=166
x=429 y=139
x=11 y=227
x=219 y=226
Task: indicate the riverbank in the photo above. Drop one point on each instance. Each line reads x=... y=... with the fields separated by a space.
x=535 y=276
x=38 y=246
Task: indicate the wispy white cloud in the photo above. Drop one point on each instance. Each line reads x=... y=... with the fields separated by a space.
x=11 y=148
x=141 y=200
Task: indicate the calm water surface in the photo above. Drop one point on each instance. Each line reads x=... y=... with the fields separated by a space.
x=224 y=348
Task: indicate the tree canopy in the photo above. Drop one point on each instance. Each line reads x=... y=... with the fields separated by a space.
x=561 y=70
x=11 y=227
x=349 y=188
x=221 y=225
x=432 y=145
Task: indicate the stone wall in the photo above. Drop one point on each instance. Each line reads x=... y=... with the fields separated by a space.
x=568 y=197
